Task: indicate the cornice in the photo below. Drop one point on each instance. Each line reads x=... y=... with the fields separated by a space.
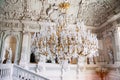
x=23 y=25
x=112 y=19
x=105 y=25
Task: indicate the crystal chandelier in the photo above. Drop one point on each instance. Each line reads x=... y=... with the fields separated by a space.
x=65 y=39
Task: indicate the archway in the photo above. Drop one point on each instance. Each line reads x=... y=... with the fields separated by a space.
x=10 y=42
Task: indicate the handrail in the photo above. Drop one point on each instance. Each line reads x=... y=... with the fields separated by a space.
x=24 y=74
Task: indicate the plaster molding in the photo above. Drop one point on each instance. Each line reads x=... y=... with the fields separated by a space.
x=23 y=25
x=112 y=19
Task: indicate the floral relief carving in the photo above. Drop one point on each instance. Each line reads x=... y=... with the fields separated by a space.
x=98 y=11
x=11 y=9
x=47 y=9
x=12 y=1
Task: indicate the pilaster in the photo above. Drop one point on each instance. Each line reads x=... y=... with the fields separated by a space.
x=1 y=35
x=25 y=53
x=19 y=44
x=117 y=44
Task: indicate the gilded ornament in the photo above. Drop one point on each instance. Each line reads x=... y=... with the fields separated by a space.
x=64 y=5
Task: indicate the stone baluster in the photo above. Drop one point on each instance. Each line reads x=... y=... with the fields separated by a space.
x=25 y=53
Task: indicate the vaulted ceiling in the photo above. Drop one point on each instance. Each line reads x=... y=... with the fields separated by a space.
x=92 y=12
x=96 y=12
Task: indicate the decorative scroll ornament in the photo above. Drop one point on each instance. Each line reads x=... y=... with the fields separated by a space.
x=12 y=1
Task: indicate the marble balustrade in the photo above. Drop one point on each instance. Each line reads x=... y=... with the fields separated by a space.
x=53 y=72
x=6 y=71
x=15 y=72
x=24 y=74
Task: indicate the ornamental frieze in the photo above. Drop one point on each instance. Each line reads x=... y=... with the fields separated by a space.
x=42 y=9
x=23 y=25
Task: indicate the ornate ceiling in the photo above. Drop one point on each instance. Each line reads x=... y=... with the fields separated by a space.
x=96 y=12
x=92 y=12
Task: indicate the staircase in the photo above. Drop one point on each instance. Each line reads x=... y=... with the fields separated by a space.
x=15 y=72
x=54 y=72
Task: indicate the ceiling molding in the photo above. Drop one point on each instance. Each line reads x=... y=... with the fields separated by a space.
x=113 y=18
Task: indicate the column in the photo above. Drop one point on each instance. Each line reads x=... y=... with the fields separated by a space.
x=29 y=48
x=114 y=46
x=1 y=35
x=118 y=31
x=104 y=58
x=18 y=47
x=117 y=45
x=25 y=53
